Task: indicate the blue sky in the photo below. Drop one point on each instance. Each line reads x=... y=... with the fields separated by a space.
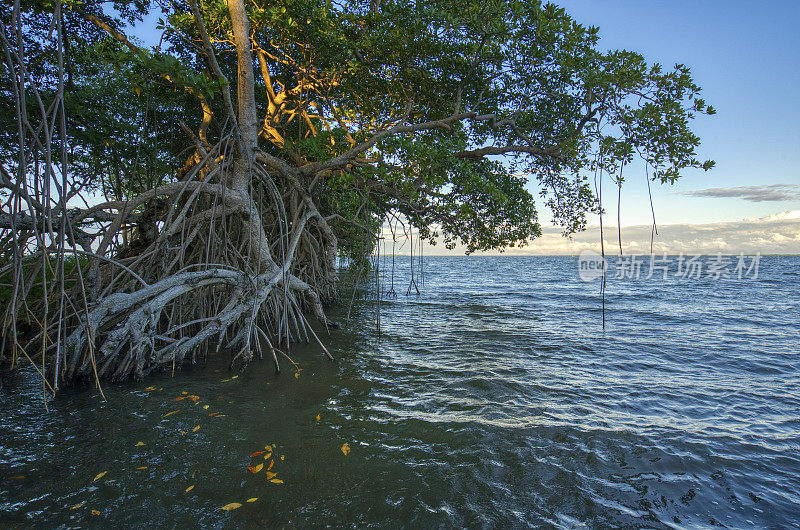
x=746 y=57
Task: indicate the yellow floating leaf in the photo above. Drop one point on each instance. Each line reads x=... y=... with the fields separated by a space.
x=297 y=375
x=318 y=417
x=252 y=499
x=205 y=407
x=17 y=477
x=345 y=449
x=283 y=457
x=184 y=392
x=170 y=413
x=95 y=512
x=271 y=463
x=255 y=469
x=231 y=506
x=196 y=428
x=77 y=505
x=194 y=398
x=276 y=481
x=224 y=380
x=139 y=444
x=141 y=468
x=268 y=455
x=150 y=388
x=190 y=488
x=100 y=475
x=271 y=475
x=234 y=377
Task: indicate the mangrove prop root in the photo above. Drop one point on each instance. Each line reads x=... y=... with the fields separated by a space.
x=219 y=270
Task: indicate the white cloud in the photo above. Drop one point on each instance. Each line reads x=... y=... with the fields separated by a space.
x=794 y=214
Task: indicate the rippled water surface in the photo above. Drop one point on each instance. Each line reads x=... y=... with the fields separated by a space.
x=494 y=399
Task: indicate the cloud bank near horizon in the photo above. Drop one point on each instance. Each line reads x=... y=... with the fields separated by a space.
x=774 y=234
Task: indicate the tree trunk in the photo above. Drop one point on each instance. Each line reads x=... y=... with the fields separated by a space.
x=247 y=122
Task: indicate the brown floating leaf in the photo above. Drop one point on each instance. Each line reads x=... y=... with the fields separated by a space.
x=345 y=449
x=256 y=453
x=271 y=463
x=255 y=469
x=318 y=417
x=95 y=512
x=17 y=477
x=268 y=455
x=190 y=488
x=182 y=431
x=141 y=468
x=194 y=397
x=276 y=481
x=77 y=505
x=179 y=398
x=139 y=444
x=196 y=428
x=231 y=506
x=271 y=475
x=252 y=499
x=100 y=475
x=170 y=413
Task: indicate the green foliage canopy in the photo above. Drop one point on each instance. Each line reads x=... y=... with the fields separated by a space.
x=438 y=111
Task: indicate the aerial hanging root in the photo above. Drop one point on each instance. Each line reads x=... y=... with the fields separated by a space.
x=201 y=266
x=227 y=254
x=110 y=290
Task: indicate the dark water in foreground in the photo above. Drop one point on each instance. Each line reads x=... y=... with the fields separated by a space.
x=495 y=399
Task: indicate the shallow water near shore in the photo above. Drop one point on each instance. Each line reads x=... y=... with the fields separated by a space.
x=493 y=399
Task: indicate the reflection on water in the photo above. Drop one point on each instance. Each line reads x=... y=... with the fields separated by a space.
x=494 y=399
